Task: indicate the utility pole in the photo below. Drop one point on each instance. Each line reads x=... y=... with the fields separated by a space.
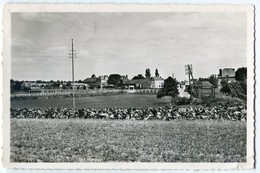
x=72 y=56
x=189 y=72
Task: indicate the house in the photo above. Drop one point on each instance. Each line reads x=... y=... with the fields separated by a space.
x=204 y=88
x=80 y=85
x=157 y=82
x=37 y=84
x=147 y=83
x=124 y=77
x=36 y=90
x=103 y=80
x=227 y=74
x=138 y=83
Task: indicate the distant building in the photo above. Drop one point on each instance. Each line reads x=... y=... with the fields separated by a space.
x=147 y=83
x=80 y=85
x=138 y=83
x=204 y=88
x=227 y=74
x=157 y=82
x=36 y=90
x=124 y=77
x=37 y=84
x=103 y=80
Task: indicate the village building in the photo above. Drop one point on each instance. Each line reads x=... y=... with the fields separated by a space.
x=227 y=74
x=80 y=85
x=147 y=83
x=124 y=77
x=34 y=84
x=103 y=80
x=204 y=88
x=157 y=82
x=138 y=83
x=36 y=90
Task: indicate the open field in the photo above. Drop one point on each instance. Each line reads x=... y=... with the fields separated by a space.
x=123 y=101
x=77 y=140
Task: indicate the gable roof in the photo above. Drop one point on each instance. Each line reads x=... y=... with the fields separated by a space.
x=103 y=77
x=36 y=89
x=138 y=81
x=203 y=84
x=157 y=78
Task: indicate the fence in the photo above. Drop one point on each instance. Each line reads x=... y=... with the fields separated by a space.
x=67 y=92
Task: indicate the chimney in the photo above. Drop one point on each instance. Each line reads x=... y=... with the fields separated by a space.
x=173 y=75
x=220 y=72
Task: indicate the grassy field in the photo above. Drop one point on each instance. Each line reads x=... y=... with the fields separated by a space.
x=35 y=140
x=123 y=101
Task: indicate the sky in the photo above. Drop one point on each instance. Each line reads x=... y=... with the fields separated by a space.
x=126 y=44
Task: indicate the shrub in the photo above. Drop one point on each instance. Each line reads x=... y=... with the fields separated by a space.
x=197 y=101
x=182 y=100
x=235 y=89
x=225 y=101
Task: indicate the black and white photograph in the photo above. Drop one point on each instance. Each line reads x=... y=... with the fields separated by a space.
x=129 y=85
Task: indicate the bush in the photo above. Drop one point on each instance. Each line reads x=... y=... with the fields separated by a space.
x=197 y=101
x=235 y=89
x=224 y=101
x=191 y=91
x=182 y=100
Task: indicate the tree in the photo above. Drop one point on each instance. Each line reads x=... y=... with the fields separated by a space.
x=139 y=76
x=225 y=87
x=18 y=86
x=241 y=74
x=170 y=88
x=68 y=84
x=156 y=73
x=114 y=79
x=213 y=80
x=93 y=76
x=235 y=89
x=147 y=73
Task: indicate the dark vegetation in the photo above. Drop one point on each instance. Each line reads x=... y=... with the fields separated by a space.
x=167 y=113
x=170 y=88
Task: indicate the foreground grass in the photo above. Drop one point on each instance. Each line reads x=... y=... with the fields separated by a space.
x=48 y=140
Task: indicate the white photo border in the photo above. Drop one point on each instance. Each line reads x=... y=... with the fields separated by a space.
x=10 y=8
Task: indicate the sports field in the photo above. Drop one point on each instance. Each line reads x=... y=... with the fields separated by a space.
x=79 y=140
x=123 y=101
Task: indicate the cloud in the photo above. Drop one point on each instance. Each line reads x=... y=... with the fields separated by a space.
x=126 y=43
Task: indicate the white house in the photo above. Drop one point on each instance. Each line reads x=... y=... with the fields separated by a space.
x=103 y=80
x=157 y=82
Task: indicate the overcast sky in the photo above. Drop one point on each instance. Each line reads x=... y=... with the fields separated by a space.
x=125 y=43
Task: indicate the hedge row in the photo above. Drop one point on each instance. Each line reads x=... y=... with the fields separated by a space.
x=237 y=112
